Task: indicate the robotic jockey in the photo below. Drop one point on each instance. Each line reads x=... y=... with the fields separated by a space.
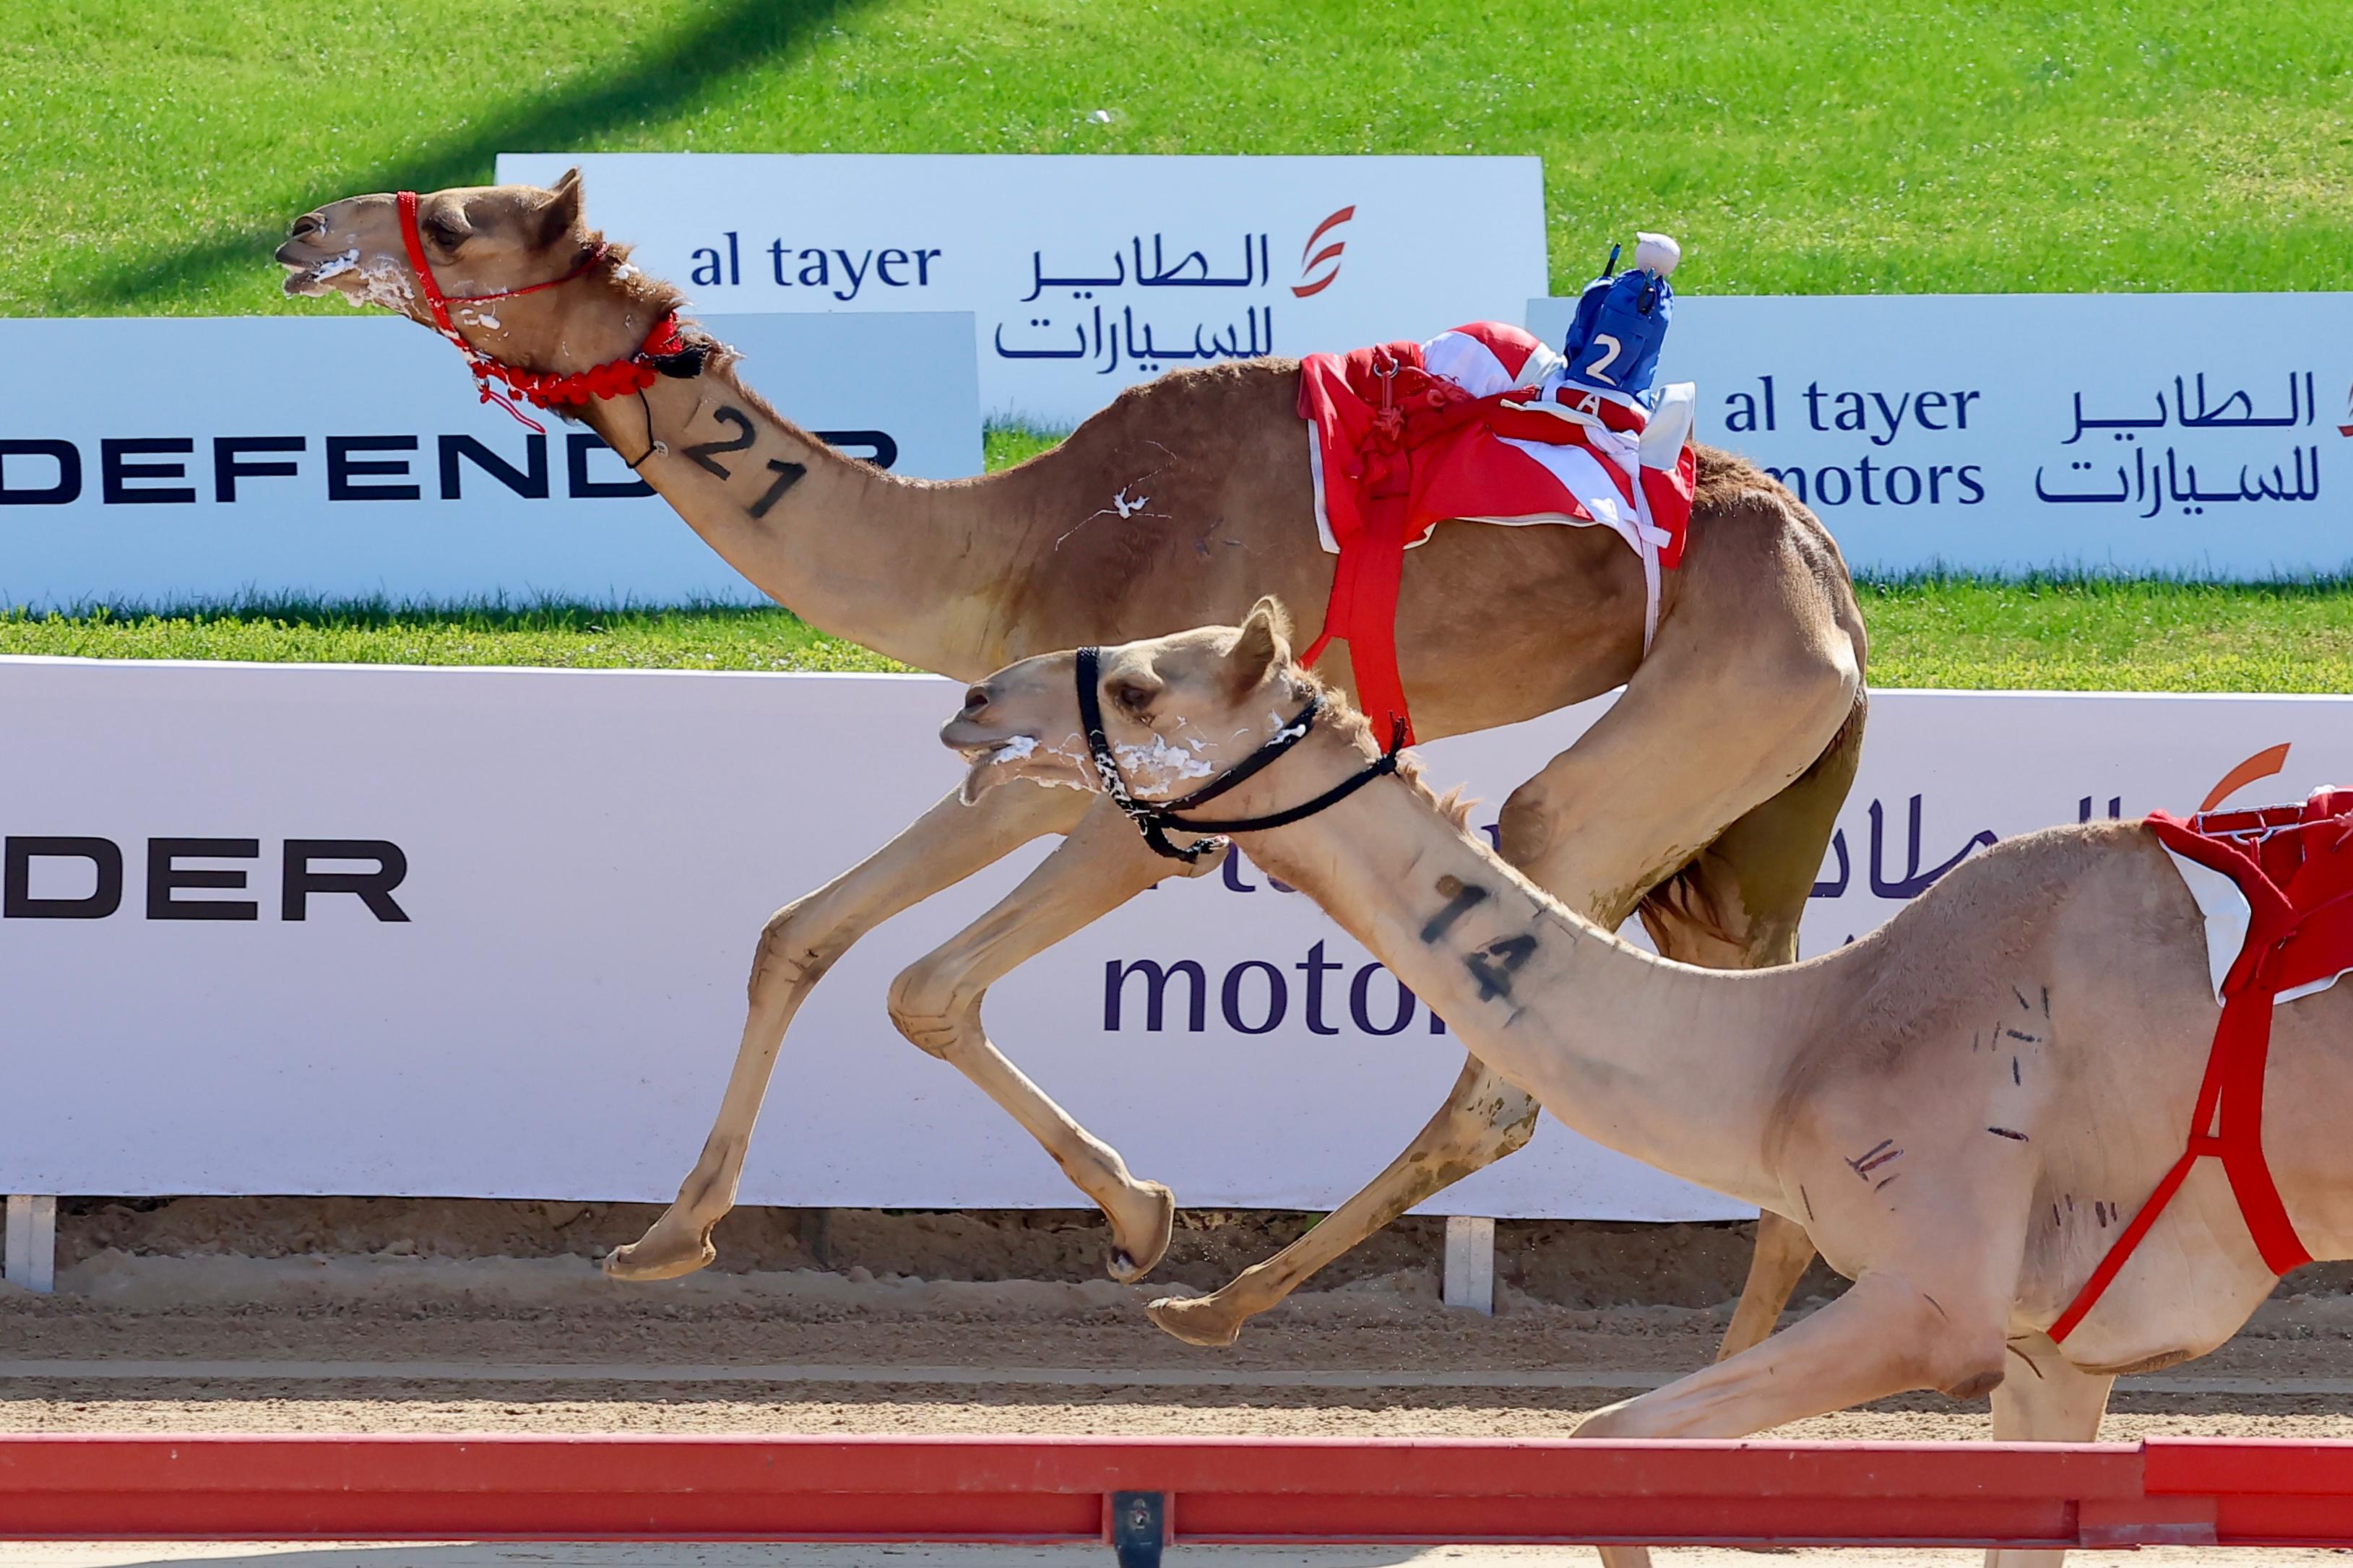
x=1621 y=323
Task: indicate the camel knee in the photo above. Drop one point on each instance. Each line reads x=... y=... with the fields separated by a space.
x=1611 y=1421
x=1524 y=827
x=1816 y=694
x=1507 y=1131
x=929 y=1005
x=797 y=945
x=1484 y=1120
x=1966 y=1362
x=1968 y=1377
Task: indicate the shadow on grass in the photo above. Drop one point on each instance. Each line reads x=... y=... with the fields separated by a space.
x=732 y=40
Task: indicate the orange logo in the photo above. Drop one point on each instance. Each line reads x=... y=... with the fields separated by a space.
x=2261 y=765
x=1331 y=253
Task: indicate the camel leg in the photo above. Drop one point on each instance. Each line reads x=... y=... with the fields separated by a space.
x=1783 y=1253
x=1484 y=1120
x=1570 y=828
x=801 y=943
x=936 y=1003
x=1883 y=1337
x=2045 y=1398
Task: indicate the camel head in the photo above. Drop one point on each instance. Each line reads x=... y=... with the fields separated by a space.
x=483 y=240
x=1177 y=709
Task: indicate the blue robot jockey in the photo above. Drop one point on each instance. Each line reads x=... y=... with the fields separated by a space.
x=1621 y=323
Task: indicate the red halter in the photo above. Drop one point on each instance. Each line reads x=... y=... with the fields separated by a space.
x=615 y=378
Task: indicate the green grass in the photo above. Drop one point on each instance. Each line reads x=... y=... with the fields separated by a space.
x=156 y=152
x=556 y=635
x=2089 y=634
x=2076 y=634
x=1003 y=445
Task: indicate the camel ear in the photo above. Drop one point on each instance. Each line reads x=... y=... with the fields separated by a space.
x=560 y=214
x=1262 y=646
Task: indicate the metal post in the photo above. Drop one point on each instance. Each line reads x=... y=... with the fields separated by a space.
x=1138 y=1526
x=1470 y=1279
x=30 y=1256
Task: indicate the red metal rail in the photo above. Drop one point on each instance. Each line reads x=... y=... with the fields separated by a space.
x=2164 y=1490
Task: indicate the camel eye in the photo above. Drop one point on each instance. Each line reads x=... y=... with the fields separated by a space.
x=444 y=233
x=1132 y=698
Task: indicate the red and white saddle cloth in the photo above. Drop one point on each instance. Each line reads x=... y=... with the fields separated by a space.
x=1477 y=424
x=2275 y=885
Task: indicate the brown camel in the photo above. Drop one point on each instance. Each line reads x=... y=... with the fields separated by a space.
x=1704 y=799
x=1937 y=1104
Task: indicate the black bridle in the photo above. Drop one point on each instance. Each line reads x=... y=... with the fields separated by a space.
x=1155 y=818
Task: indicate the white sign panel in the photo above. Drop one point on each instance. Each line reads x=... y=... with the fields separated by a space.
x=1085 y=274
x=302 y=929
x=348 y=456
x=2201 y=434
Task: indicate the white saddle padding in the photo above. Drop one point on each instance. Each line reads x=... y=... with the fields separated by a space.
x=2227 y=916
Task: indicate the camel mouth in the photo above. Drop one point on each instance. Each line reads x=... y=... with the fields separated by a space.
x=313 y=277
x=1006 y=751
x=991 y=760
x=1012 y=747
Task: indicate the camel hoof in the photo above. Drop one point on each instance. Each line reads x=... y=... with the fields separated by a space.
x=654 y=1256
x=1195 y=1320
x=1129 y=1262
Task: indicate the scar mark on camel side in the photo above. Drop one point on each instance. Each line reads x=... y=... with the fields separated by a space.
x=1122 y=504
x=2006 y=1132
x=1871 y=1159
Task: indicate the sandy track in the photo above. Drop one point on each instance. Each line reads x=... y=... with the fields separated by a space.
x=397 y=1343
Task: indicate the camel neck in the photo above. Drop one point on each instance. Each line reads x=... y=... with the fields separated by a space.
x=1676 y=1066
x=902 y=566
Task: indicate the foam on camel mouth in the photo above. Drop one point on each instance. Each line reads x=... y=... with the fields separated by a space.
x=1012 y=750
x=987 y=759
x=312 y=278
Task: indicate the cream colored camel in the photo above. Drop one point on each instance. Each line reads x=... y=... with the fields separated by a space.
x=1957 y=1108
x=1704 y=799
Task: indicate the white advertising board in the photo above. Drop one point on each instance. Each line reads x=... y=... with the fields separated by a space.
x=1085 y=274
x=2207 y=435
x=348 y=456
x=307 y=928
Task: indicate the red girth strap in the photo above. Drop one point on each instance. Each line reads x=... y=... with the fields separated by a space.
x=615 y=378
x=2234 y=1085
x=1417 y=407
